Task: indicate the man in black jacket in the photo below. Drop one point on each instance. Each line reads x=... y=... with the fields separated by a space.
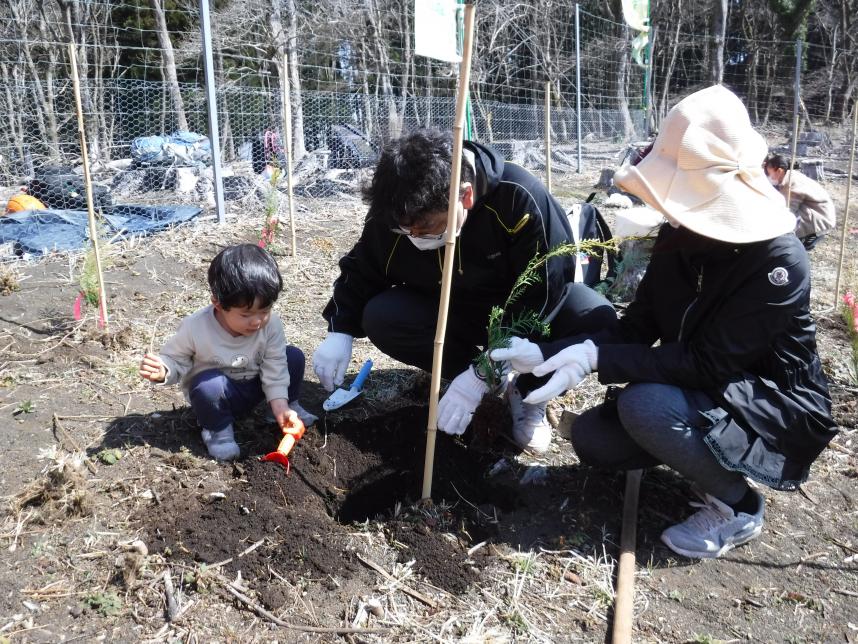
x=390 y=282
x=718 y=347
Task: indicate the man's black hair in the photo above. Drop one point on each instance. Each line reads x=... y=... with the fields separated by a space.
x=777 y=161
x=412 y=178
x=244 y=274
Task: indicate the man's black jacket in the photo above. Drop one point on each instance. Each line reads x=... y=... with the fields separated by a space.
x=513 y=218
x=733 y=320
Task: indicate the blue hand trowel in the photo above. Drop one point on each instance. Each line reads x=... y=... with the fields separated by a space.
x=342 y=396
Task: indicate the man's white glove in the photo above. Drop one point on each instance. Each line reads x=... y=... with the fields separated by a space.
x=570 y=367
x=523 y=355
x=331 y=359
x=458 y=404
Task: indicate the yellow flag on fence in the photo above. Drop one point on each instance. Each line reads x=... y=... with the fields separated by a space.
x=636 y=14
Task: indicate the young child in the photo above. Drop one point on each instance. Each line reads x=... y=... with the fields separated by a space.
x=232 y=354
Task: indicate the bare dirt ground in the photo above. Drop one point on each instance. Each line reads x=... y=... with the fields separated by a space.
x=110 y=500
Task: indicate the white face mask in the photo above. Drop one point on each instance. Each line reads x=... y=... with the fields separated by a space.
x=774 y=182
x=431 y=243
x=422 y=243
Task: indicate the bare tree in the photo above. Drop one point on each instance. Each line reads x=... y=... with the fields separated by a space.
x=169 y=64
x=719 y=31
x=40 y=75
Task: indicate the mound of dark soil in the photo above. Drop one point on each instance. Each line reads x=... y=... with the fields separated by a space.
x=359 y=472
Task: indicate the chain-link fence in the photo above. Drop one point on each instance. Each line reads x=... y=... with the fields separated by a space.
x=354 y=83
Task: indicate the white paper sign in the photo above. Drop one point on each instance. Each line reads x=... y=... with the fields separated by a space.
x=435 y=29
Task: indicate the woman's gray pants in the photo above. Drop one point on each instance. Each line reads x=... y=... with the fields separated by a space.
x=654 y=424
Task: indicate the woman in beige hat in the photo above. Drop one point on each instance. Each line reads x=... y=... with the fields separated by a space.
x=718 y=347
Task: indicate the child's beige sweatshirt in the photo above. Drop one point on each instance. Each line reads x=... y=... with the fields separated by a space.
x=201 y=343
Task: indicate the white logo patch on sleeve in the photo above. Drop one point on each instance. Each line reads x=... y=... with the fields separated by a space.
x=779 y=276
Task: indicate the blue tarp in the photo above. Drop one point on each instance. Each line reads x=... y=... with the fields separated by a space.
x=36 y=232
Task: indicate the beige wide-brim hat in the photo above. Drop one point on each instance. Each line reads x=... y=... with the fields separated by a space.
x=705 y=172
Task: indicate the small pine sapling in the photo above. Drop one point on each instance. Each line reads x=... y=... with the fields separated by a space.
x=271 y=210
x=88 y=293
x=492 y=414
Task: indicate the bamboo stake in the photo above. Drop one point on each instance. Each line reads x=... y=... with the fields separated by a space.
x=844 y=227
x=625 y=598
x=449 y=249
x=287 y=135
x=87 y=181
x=548 y=135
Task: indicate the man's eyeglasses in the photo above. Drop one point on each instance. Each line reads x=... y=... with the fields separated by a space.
x=404 y=231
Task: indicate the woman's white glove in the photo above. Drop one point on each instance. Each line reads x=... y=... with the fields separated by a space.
x=457 y=406
x=570 y=367
x=331 y=359
x=523 y=355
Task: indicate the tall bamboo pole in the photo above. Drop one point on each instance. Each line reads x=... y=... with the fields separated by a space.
x=449 y=248
x=287 y=136
x=625 y=598
x=87 y=182
x=845 y=225
x=548 y=135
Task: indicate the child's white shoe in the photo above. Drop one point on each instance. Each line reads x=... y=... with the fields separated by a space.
x=221 y=444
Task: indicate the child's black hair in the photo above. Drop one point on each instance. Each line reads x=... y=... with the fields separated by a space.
x=777 y=161
x=244 y=274
x=412 y=177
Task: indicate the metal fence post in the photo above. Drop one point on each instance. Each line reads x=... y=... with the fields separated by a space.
x=648 y=84
x=548 y=135
x=578 y=77
x=211 y=100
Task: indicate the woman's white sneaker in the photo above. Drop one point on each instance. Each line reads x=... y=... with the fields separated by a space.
x=714 y=529
x=530 y=428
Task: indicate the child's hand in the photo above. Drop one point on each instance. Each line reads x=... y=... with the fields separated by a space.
x=283 y=414
x=152 y=368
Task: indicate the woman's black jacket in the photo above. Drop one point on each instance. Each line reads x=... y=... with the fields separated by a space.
x=733 y=320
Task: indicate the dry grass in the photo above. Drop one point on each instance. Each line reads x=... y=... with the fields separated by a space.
x=80 y=528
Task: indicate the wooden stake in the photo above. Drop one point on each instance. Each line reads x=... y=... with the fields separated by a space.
x=844 y=227
x=625 y=599
x=548 y=135
x=170 y=594
x=287 y=136
x=796 y=103
x=449 y=250
x=87 y=181
x=792 y=158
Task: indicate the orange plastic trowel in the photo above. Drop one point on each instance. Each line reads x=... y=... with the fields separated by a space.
x=291 y=434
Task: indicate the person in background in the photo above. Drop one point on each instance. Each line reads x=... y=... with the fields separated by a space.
x=718 y=347
x=390 y=282
x=232 y=354
x=808 y=200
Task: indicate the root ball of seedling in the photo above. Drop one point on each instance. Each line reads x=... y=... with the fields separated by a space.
x=491 y=418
